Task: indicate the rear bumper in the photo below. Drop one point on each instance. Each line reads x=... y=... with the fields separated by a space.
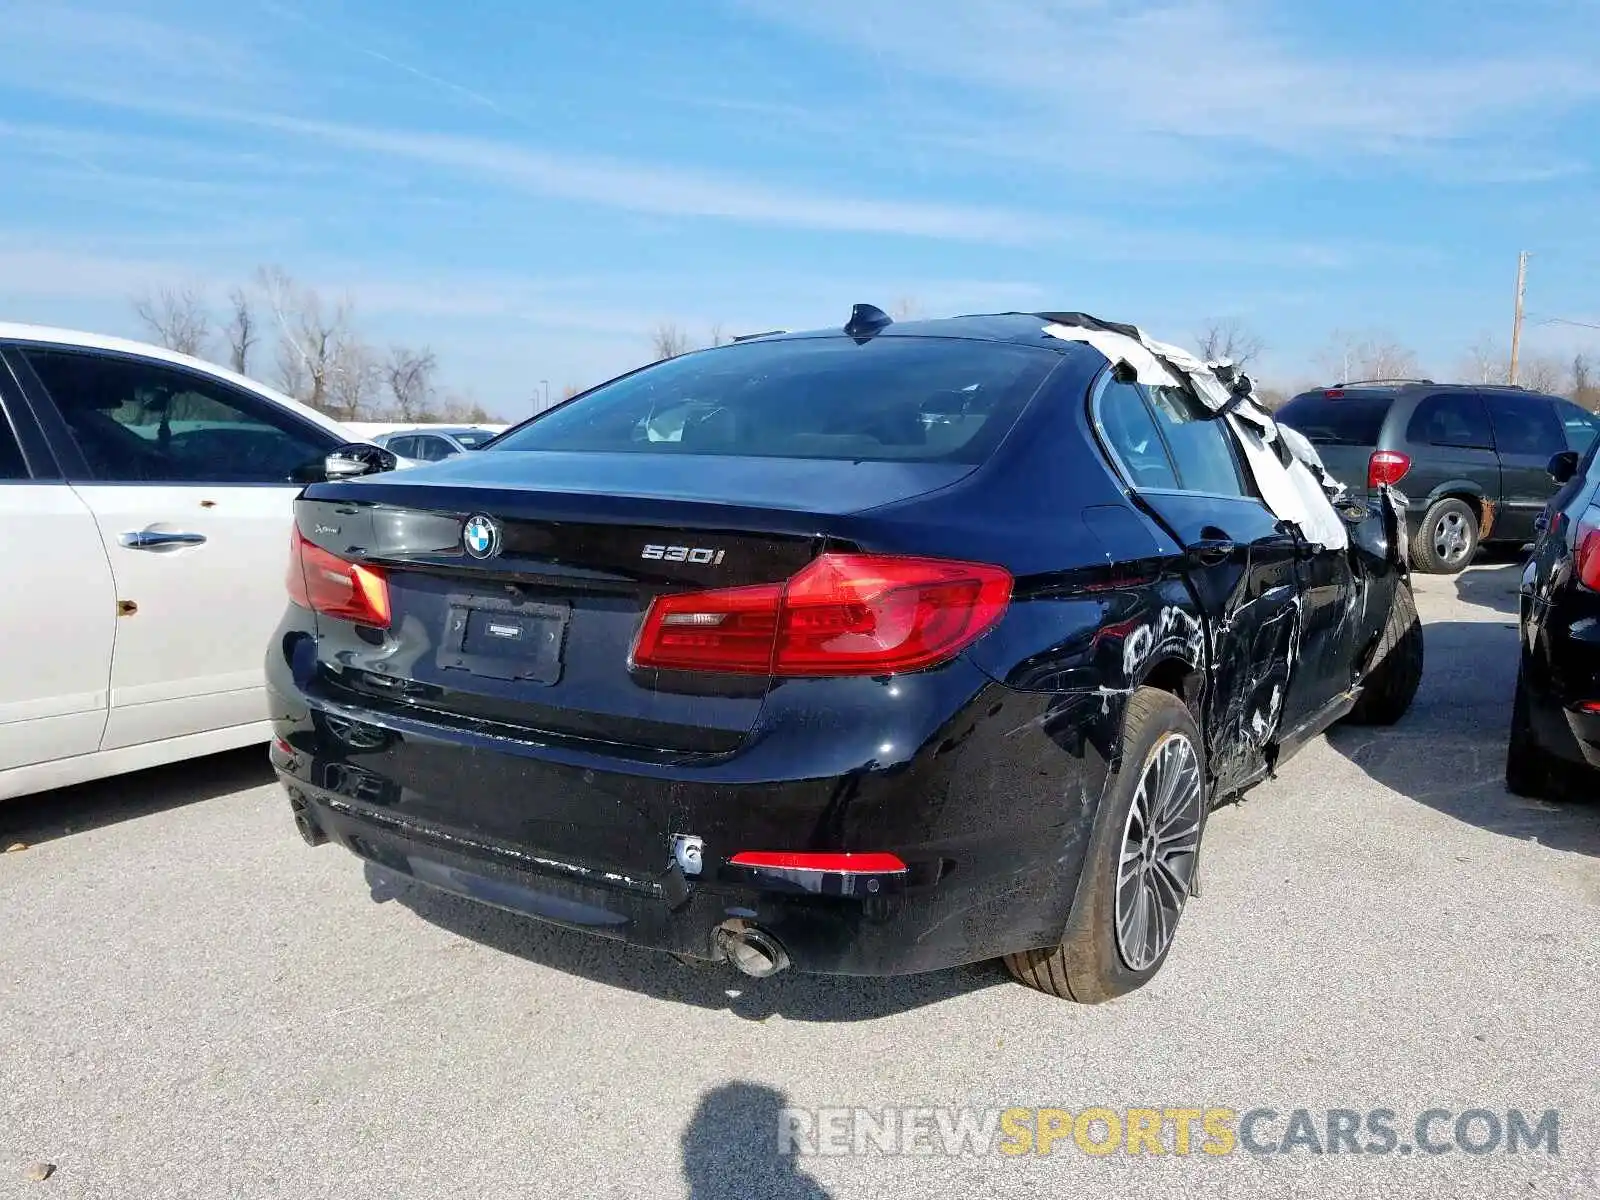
x=1563 y=675
x=1585 y=728
x=991 y=814
x=922 y=929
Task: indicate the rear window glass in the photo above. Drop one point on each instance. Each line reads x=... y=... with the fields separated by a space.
x=1346 y=421
x=891 y=398
x=473 y=438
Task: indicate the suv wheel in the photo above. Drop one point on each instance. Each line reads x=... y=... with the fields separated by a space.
x=1141 y=864
x=1447 y=538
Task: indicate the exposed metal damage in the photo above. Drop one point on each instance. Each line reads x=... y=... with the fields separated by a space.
x=1260 y=639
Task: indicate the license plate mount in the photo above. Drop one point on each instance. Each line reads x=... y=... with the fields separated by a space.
x=499 y=637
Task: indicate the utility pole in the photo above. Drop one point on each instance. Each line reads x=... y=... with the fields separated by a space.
x=1516 y=324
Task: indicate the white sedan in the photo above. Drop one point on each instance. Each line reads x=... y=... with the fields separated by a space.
x=145 y=506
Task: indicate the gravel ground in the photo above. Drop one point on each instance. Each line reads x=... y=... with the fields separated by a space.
x=192 y=1004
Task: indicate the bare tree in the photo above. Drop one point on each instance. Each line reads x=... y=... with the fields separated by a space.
x=459 y=407
x=312 y=340
x=1229 y=340
x=669 y=340
x=1485 y=362
x=1271 y=398
x=571 y=390
x=409 y=374
x=1584 y=390
x=1353 y=357
x=1542 y=373
x=241 y=330
x=906 y=308
x=718 y=334
x=177 y=318
x=354 y=381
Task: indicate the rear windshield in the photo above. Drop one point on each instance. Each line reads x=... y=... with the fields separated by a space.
x=471 y=439
x=1345 y=421
x=892 y=398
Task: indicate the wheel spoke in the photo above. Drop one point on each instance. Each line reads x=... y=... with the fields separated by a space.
x=1166 y=879
x=1156 y=940
x=1130 y=926
x=1177 y=839
x=1128 y=868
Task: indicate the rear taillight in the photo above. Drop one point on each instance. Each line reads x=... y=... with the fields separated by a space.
x=1386 y=468
x=1586 y=551
x=327 y=584
x=844 y=614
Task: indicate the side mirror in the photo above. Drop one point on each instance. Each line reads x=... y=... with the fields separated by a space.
x=348 y=461
x=1563 y=466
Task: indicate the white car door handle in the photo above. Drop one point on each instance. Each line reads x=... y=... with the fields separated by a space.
x=150 y=539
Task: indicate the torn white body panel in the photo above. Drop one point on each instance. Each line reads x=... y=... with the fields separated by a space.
x=1291 y=491
x=1293 y=482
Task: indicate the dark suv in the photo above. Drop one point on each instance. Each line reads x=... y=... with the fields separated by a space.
x=1472 y=459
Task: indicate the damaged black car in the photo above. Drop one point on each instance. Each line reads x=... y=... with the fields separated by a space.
x=869 y=650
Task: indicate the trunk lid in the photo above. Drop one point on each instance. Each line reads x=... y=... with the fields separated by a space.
x=533 y=638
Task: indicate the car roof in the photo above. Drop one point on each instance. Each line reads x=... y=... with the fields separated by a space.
x=1016 y=328
x=47 y=335
x=1420 y=387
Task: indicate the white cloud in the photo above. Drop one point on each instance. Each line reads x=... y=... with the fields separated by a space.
x=1198 y=69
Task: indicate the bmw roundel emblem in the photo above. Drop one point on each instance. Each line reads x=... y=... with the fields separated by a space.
x=481 y=536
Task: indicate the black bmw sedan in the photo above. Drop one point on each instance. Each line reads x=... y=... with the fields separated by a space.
x=1555 y=714
x=869 y=650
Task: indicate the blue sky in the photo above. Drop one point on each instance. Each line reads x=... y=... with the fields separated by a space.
x=529 y=188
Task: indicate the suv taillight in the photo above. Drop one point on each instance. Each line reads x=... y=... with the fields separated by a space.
x=844 y=614
x=1387 y=468
x=327 y=584
x=1586 y=550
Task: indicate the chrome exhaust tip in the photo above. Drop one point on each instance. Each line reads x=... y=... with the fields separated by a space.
x=752 y=950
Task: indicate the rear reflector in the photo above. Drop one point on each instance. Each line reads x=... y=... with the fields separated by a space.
x=1386 y=468
x=1586 y=553
x=834 y=862
x=844 y=614
x=327 y=584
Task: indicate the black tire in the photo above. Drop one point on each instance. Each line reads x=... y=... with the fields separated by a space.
x=1446 y=539
x=1089 y=966
x=1392 y=681
x=1528 y=764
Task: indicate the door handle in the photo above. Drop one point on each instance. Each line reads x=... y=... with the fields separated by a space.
x=1212 y=550
x=150 y=539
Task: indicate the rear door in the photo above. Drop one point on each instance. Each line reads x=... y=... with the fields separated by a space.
x=1527 y=432
x=188 y=481
x=58 y=605
x=1242 y=561
x=1451 y=444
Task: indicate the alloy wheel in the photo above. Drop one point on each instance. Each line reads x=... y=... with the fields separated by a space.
x=1159 y=847
x=1451 y=538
